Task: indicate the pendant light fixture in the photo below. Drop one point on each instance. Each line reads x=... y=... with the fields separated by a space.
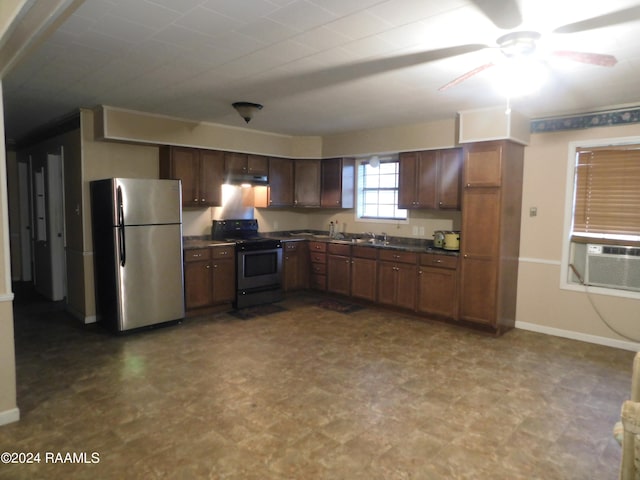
x=247 y=109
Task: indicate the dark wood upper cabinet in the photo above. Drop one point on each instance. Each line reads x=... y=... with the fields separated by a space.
x=307 y=183
x=201 y=172
x=245 y=164
x=430 y=179
x=281 y=187
x=338 y=183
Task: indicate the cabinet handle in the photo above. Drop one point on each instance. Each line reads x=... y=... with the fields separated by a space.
x=347 y=261
x=208 y=266
x=197 y=255
x=195 y=200
x=465 y=256
x=419 y=272
x=437 y=261
x=203 y=199
x=215 y=266
x=468 y=185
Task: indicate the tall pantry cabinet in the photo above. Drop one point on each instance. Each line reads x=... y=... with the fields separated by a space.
x=490 y=239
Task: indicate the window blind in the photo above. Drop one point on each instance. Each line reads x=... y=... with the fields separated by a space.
x=607 y=193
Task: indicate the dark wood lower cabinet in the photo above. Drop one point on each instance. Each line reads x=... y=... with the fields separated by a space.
x=295 y=266
x=438 y=285
x=197 y=279
x=364 y=273
x=209 y=277
x=339 y=268
x=397 y=272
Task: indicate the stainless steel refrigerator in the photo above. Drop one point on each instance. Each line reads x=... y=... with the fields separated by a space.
x=137 y=249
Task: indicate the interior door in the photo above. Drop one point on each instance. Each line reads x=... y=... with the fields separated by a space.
x=48 y=246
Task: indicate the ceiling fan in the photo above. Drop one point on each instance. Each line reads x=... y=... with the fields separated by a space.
x=522 y=44
x=504 y=14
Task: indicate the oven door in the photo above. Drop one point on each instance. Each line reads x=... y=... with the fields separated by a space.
x=259 y=268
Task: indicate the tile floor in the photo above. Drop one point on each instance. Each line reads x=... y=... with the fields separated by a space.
x=312 y=394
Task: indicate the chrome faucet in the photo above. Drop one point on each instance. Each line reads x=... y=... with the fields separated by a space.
x=384 y=237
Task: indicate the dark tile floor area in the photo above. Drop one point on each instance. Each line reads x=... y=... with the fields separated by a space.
x=309 y=393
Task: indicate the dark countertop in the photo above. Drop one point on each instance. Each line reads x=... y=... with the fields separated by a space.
x=193 y=243
x=394 y=243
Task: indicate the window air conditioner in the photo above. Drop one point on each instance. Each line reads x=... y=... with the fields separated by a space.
x=612 y=266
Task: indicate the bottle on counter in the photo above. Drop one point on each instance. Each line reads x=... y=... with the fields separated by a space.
x=332 y=229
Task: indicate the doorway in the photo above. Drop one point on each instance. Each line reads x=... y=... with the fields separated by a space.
x=47 y=226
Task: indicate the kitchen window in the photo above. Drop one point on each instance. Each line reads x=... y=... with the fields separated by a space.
x=378 y=191
x=607 y=195
x=603 y=238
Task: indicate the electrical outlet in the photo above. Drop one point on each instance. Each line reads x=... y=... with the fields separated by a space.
x=533 y=211
x=275 y=225
x=415 y=231
x=422 y=231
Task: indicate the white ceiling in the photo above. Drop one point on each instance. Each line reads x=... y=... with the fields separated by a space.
x=317 y=66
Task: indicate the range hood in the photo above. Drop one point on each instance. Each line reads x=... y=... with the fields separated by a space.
x=246 y=179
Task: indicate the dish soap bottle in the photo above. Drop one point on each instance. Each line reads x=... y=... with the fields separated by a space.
x=332 y=229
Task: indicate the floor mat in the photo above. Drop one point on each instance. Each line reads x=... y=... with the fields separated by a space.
x=337 y=306
x=257 y=311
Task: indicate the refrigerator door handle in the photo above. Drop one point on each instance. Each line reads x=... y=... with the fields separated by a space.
x=121 y=238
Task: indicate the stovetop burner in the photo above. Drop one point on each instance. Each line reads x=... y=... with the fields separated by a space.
x=244 y=233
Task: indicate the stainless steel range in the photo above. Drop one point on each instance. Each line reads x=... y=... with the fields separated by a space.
x=258 y=261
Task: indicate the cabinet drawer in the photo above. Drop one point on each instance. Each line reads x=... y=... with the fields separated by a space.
x=437 y=260
x=290 y=246
x=196 y=255
x=317 y=246
x=318 y=257
x=223 y=252
x=396 y=256
x=364 y=252
x=339 y=249
x=318 y=268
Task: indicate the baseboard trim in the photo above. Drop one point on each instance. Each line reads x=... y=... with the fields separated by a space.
x=6 y=297
x=583 y=337
x=79 y=315
x=9 y=416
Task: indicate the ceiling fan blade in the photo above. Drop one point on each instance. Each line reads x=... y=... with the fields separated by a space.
x=599 y=59
x=466 y=76
x=607 y=20
x=504 y=14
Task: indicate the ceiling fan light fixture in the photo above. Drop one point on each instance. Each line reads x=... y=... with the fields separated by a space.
x=519 y=77
x=246 y=109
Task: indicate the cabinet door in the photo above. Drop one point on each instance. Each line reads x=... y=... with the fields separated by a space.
x=386 y=283
x=483 y=164
x=364 y=278
x=211 y=177
x=406 y=286
x=407 y=180
x=427 y=176
x=224 y=280
x=449 y=178
x=480 y=222
x=295 y=268
x=331 y=183
x=185 y=166
x=437 y=291
x=198 y=284
x=280 y=182
x=478 y=290
x=257 y=165
x=338 y=274
x=307 y=183
x=235 y=163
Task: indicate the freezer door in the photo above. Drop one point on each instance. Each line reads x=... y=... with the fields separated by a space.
x=150 y=278
x=148 y=201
